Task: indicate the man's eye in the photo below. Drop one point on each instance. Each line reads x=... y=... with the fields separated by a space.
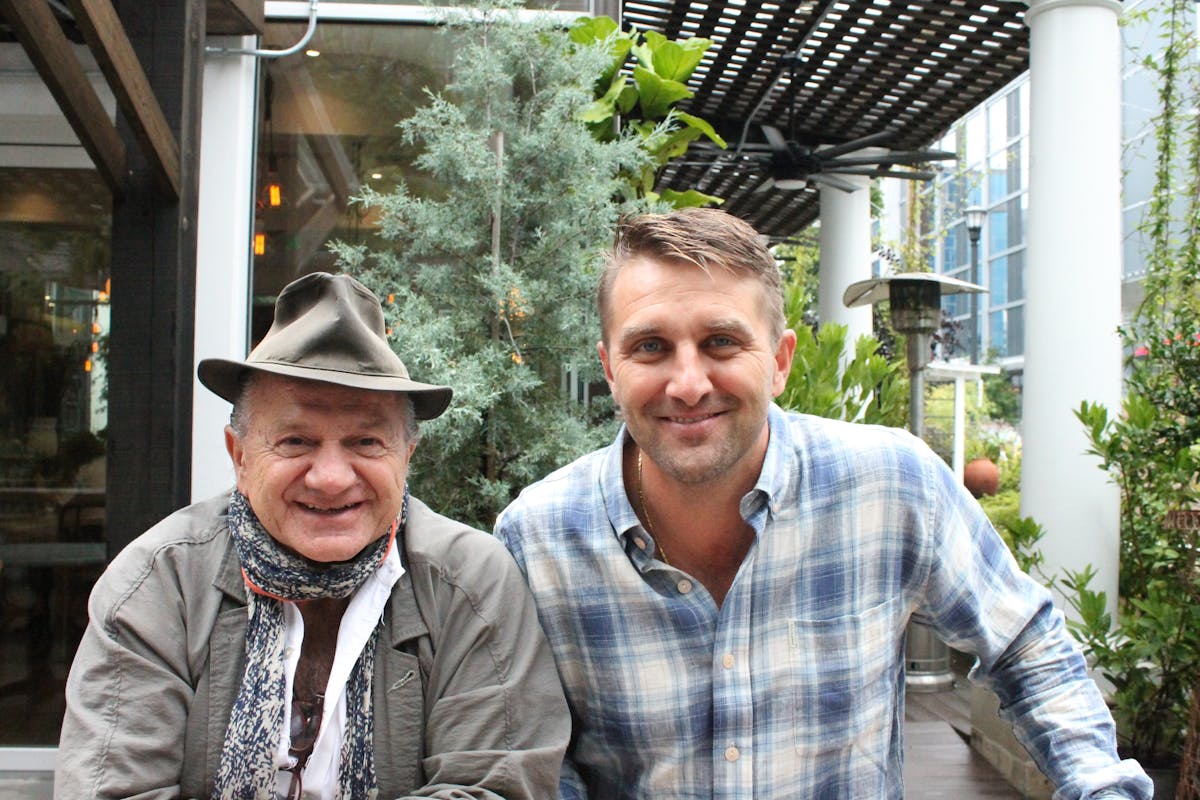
x=650 y=346
x=722 y=341
x=291 y=445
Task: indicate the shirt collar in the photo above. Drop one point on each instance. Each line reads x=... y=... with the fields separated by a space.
x=772 y=481
x=612 y=488
x=777 y=464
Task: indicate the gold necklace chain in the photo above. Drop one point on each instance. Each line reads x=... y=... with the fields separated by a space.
x=662 y=551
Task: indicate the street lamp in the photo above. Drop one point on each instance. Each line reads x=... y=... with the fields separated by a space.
x=973 y=218
x=916 y=305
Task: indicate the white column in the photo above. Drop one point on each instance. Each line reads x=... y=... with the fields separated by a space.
x=958 y=458
x=225 y=223
x=1073 y=278
x=845 y=255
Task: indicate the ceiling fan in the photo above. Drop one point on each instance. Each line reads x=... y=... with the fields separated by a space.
x=787 y=163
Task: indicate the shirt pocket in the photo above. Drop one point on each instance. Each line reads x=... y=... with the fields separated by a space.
x=845 y=684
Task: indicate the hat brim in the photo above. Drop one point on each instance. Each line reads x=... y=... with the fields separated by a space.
x=224 y=378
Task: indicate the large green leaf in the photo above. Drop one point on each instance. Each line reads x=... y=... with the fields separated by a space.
x=671 y=60
x=689 y=199
x=588 y=30
x=657 y=94
x=701 y=125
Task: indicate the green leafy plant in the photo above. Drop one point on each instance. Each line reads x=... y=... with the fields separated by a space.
x=642 y=103
x=866 y=388
x=1151 y=652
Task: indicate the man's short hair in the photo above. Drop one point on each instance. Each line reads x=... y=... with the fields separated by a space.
x=239 y=418
x=706 y=237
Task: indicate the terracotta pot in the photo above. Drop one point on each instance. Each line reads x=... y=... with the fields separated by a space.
x=981 y=477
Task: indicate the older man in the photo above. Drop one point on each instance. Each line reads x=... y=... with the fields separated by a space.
x=317 y=633
x=726 y=587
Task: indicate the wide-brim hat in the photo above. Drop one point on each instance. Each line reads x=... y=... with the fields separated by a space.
x=327 y=328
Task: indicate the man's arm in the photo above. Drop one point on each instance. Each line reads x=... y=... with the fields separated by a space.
x=978 y=599
x=127 y=694
x=497 y=723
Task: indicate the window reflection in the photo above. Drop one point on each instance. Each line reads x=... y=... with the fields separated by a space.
x=54 y=323
x=328 y=129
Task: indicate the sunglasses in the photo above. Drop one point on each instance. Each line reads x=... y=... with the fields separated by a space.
x=306 y=724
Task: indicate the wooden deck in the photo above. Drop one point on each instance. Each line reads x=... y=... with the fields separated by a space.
x=938 y=762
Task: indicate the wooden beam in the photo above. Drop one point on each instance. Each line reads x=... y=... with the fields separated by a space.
x=40 y=34
x=106 y=36
x=235 y=17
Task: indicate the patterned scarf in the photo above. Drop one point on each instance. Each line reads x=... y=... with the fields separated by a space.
x=274 y=574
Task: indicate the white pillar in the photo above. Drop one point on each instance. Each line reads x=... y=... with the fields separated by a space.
x=958 y=458
x=1073 y=278
x=845 y=255
x=225 y=222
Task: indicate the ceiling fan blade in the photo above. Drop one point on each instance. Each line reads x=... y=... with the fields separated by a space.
x=881 y=172
x=902 y=157
x=834 y=181
x=833 y=151
x=774 y=138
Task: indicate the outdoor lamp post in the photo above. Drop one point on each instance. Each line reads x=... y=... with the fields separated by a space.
x=973 y=218
x=916 y=305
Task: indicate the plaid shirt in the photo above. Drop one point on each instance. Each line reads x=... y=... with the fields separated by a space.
x=794 y=686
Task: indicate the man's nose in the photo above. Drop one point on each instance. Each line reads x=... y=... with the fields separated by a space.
x=689 y=381
x=331 y=470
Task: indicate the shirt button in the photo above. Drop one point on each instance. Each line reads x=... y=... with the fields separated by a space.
x=727 y=661
x=684 y=586
x=731 y=753
x=287 y=652
x=640 y=542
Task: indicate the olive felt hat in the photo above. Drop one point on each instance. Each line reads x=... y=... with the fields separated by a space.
x=327 y=328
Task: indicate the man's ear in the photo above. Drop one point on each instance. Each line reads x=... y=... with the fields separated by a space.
x=783 y=361
x=233 y=446
x=608 y=373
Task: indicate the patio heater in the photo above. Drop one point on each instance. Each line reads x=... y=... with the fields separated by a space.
x=916 y=306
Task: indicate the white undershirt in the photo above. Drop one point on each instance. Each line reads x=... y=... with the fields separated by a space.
x=362 y=615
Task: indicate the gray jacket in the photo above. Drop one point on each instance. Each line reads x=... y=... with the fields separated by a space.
x=467 y=700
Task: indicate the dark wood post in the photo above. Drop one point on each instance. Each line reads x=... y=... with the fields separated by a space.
x=153 y=283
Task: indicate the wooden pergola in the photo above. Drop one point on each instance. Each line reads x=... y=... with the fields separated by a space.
x=838 y=71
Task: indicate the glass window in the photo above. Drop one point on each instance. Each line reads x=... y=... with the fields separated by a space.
x=1016 y=220
x=1014 y=104
x=976 y=135
x=1016 y=330
x=328 y=129
x=1016 y=276
x=952 y=247
x=997 y=344
x=997 y=114
x=997 y=228
x=998 y=174
x=1017 y=165
x=997 y=282
x=55 y=227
